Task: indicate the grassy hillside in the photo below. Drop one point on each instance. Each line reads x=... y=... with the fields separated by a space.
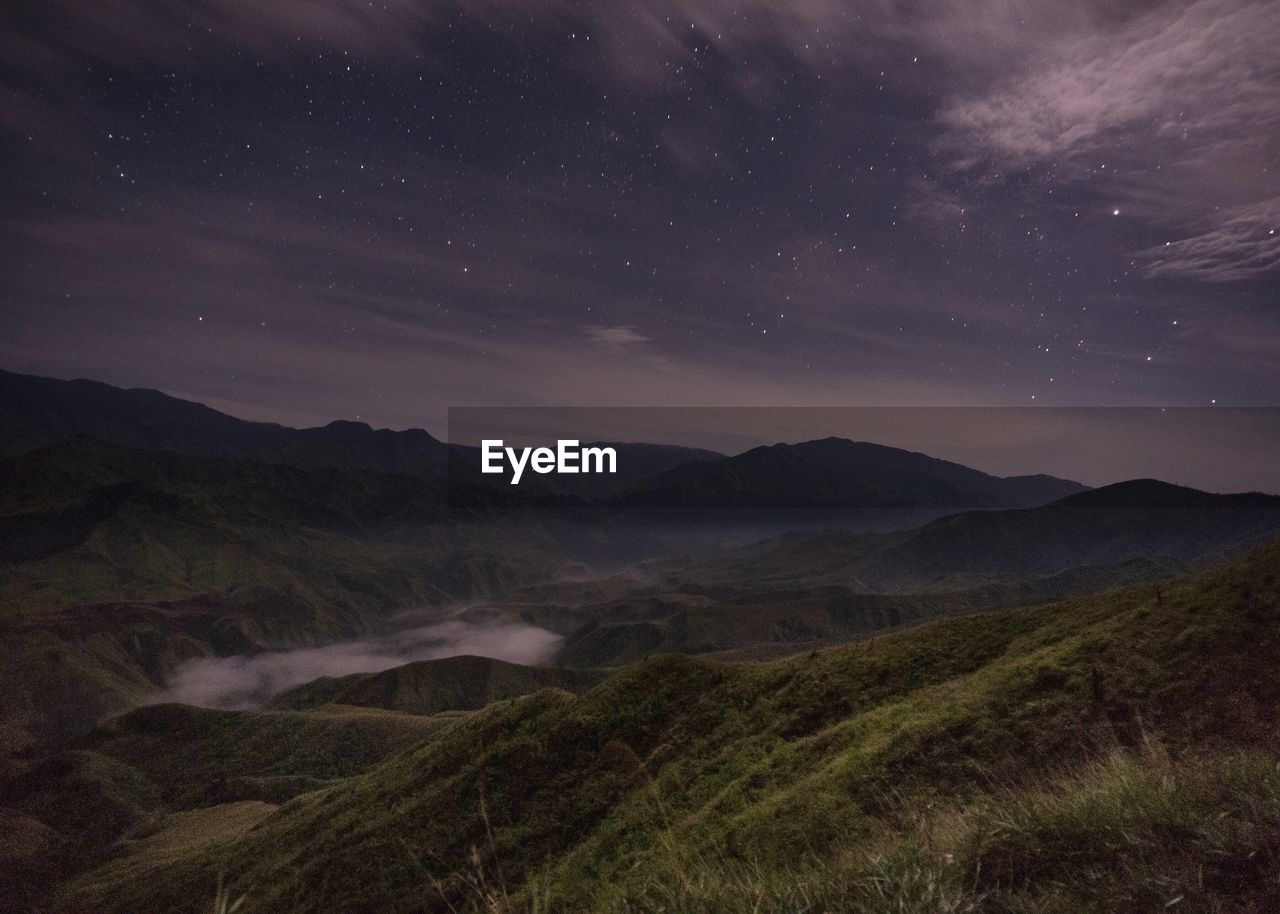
x=1110 y=753
x=128 y=780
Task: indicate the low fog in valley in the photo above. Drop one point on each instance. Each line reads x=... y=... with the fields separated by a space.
x=247 y=681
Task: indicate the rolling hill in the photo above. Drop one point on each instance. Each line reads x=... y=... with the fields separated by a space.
x=460 y=683
x=793 y=592
x=1080 y=756
x=127 y=779
x=1142 y=520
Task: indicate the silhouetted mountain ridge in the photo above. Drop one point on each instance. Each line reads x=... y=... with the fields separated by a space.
x=837 y=472
x=1154 y=493
x=1141 y=519
x=833 y=472
x=38 y=412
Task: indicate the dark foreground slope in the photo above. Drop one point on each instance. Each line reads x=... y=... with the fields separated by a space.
x=1110 y=753
x=132 y=777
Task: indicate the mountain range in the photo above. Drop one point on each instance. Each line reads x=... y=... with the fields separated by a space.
x=38 y=412
x=144 y=531
x=830 y=473
x=1005 y=694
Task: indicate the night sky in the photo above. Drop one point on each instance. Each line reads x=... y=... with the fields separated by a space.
x=309 y=209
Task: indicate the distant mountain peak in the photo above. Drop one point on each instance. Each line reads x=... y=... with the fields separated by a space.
x=349 y=425
x=1155 y=493
x=840 y=472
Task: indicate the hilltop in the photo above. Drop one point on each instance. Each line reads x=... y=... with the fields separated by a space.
x=460 y=683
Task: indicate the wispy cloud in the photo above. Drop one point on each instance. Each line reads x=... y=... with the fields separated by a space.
x=1186 y=75
x=618 y=336
x=927 y=200
x=1180 y=103
x=1245 y=244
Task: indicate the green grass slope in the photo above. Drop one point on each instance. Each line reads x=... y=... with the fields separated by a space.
x=1109 y=753
x=127 y=779
x=198 y=756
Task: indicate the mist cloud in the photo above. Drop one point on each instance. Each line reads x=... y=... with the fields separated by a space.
x=248 y=681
